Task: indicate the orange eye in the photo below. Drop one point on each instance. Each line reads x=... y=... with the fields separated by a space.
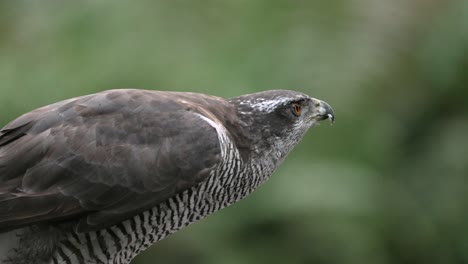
x=296 y=109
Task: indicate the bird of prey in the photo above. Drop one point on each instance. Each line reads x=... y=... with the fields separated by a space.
x=99 y=178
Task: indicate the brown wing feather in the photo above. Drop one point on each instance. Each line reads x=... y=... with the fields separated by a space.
x=102 y=158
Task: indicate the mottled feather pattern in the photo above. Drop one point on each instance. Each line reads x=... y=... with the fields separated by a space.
x=89 y=157
x=100 y=178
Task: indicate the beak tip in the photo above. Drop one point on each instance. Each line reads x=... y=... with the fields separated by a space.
x=332 y=118
x=327 y=112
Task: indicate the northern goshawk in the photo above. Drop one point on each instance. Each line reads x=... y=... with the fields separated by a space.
x=100 y=178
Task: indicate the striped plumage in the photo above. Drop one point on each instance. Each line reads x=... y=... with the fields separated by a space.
x=120 y=243
x=221 y=150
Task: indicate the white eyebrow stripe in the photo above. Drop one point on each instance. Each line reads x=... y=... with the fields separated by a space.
x=269 y=105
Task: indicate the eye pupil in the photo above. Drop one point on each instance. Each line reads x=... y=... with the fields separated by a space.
x=297 y=109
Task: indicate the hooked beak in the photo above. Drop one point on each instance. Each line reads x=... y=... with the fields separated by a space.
x=326 y=112
x=323 y=111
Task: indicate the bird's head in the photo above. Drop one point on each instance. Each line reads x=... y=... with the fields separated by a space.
x=277 y=120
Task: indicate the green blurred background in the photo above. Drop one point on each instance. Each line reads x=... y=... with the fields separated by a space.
x=386 y=184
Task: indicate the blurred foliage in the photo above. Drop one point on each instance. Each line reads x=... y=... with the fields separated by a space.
x=386 y=184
